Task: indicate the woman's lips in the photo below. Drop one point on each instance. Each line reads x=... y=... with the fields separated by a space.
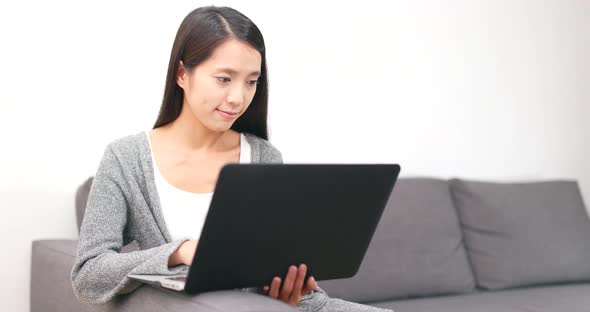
x=228 y=115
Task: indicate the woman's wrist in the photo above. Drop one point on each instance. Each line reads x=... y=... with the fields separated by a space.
x=176 y=257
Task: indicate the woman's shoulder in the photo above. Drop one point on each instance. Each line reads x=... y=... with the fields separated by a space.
x=129 y=143
x=266 y=151
x=123 y=157
x=129 y=148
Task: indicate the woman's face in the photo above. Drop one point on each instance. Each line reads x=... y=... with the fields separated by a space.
x=220 y=89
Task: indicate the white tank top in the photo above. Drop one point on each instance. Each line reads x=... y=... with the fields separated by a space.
x=184 y=212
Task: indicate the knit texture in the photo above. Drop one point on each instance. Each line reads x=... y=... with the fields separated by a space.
x=123 y=206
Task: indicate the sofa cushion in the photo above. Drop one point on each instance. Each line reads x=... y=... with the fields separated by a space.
x=570 y=297
x=520 y=234
x=51 y=290
x=417 y=249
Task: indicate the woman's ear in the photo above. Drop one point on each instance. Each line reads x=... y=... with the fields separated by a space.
x=181 y=76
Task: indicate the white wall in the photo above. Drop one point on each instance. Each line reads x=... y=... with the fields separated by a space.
x=478 y=89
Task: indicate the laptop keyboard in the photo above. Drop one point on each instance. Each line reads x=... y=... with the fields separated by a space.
x=178 y=278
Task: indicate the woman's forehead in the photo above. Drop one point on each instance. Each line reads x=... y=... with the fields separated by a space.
x=235 y=57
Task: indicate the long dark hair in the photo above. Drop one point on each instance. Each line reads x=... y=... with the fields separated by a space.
x=199 y=34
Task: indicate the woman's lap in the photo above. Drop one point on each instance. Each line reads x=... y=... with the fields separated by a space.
x=319 y=301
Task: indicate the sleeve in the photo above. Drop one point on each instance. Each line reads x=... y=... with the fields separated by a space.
x=100 y=270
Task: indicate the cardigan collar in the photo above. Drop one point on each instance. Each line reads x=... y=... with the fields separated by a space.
x=148 y=171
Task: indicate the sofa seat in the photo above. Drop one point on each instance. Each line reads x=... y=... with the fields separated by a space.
x=51 y=289
x=570 y=297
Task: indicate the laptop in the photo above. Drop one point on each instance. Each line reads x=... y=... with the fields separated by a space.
x=265 y=217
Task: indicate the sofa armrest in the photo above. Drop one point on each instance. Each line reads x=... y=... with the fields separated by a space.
x=51 y=289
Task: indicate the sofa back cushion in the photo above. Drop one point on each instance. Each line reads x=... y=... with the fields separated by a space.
x=522 y=234
x=417 y=249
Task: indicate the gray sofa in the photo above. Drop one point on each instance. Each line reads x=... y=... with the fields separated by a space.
x=441 y=246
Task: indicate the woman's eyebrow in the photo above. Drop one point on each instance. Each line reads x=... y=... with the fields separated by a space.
x=233 y=71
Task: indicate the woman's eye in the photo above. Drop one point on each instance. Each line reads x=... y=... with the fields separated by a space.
x=253 y=82
x=223 y=79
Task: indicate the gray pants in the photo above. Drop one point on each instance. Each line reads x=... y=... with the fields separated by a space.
x=319 y=301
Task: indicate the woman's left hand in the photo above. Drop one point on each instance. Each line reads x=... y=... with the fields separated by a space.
x=293 y=288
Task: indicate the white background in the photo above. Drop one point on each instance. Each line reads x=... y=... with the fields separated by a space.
x=491 y=90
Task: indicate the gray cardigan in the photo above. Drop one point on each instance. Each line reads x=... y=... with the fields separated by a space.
x=123 y=206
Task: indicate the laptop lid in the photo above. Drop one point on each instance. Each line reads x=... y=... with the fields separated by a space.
x=265 y=217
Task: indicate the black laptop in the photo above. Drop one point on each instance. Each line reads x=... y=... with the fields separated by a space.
x=265 y=217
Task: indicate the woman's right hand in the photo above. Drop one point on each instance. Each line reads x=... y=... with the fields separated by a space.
x=294 y=286
x=184 y=254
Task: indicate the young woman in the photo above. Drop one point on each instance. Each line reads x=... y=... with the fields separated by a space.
x=148 y=185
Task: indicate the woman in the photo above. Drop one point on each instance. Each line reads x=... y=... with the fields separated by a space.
x=214 y=112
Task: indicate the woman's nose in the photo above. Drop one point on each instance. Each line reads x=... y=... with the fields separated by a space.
x=236 y=95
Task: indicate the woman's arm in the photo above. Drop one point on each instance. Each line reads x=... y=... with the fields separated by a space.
x=100 y=270
x=184 y=254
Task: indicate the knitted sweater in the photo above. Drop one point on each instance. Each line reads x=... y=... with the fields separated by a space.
x=123 y=206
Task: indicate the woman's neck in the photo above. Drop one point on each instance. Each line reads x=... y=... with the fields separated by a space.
x=187 y=132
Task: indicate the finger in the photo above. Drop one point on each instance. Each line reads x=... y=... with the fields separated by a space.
x=314 y=284
x=311 y=285
x=288 y=283
x=265 y=289
x=274 y=287
x=298 y=286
